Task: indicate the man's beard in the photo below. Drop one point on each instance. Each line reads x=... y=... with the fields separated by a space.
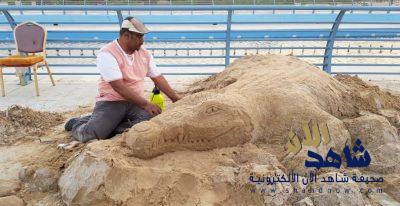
x=137 y=48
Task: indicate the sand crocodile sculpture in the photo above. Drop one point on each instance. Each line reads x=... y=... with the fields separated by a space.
x=203 y=148
x=256 y=99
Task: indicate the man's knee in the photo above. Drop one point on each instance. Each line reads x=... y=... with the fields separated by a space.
x=85 y=133
x=141 y=116
x=144 y=115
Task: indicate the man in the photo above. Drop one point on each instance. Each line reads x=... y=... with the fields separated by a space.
x=123 y=65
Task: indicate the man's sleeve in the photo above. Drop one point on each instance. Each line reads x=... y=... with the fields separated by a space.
x=108 y=67
x=153 y=69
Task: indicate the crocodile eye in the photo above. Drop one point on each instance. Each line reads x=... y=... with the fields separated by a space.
x=212 y=109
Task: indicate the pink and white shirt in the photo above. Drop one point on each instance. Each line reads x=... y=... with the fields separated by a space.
x=114 y=64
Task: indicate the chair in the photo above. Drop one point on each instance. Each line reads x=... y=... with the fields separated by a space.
x=30 y=39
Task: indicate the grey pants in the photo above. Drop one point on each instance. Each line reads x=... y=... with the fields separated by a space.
x=108 y=119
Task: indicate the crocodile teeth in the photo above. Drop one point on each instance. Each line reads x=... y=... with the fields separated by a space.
x=181 y=138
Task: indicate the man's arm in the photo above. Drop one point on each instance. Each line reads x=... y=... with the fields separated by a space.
x=163 y=85
x=120 y=87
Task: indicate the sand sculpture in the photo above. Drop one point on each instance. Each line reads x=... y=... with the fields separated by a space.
x=257 y=99
x=202 y=150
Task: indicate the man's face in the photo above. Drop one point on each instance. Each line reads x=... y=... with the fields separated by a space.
x=135 y=40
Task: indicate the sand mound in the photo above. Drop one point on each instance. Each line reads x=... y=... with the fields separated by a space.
x=368 y=97
x=18 y=122
x=202 y=150
x=262 y=97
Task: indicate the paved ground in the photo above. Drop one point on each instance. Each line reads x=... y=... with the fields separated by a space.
x=69 y=93
x=72 y=92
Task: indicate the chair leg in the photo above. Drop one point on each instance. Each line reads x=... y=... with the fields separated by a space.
x=51 y=76
x=21 y=79
x=36 y=80
x=3 y=92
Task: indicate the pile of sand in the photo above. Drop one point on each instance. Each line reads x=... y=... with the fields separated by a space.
x=368 y=97
x=202 y=150
x=30 y=160
x=18 y=122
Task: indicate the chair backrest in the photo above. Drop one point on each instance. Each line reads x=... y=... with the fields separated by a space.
x=30 y=37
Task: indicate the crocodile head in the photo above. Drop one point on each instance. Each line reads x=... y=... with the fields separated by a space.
x=201 y=121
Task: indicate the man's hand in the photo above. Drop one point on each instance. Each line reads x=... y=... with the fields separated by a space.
x=120 y=87
x=177 y=97
x=163 y=85
x=152 y=109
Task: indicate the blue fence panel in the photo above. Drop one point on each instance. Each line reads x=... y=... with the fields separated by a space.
x=371 y=17
x=212 y=35
x=211 y=19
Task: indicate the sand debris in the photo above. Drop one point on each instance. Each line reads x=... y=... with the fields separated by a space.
x=18 y=122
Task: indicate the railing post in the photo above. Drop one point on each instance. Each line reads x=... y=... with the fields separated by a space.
x=390 y=4
x=20 y=3
x=149 y=5
x=370 y=3
x=107 y=5
x=228 y=38
x=191 y=3
x=294 y=3
x=84 y=3
x=233 y=3
x=313 y=11
x=63 y=2
x=120 y=18
x=329 y=44
x=170 y=3
x=273 y=11
x=213 y=3
x=25 y=76
x=41 y=4
x=129 y=3
x=254 y=3
x=352 y=4
x=10 y=19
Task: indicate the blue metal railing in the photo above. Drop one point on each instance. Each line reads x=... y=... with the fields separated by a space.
x=372 y=16
x=198 y=2
x=198 y=8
